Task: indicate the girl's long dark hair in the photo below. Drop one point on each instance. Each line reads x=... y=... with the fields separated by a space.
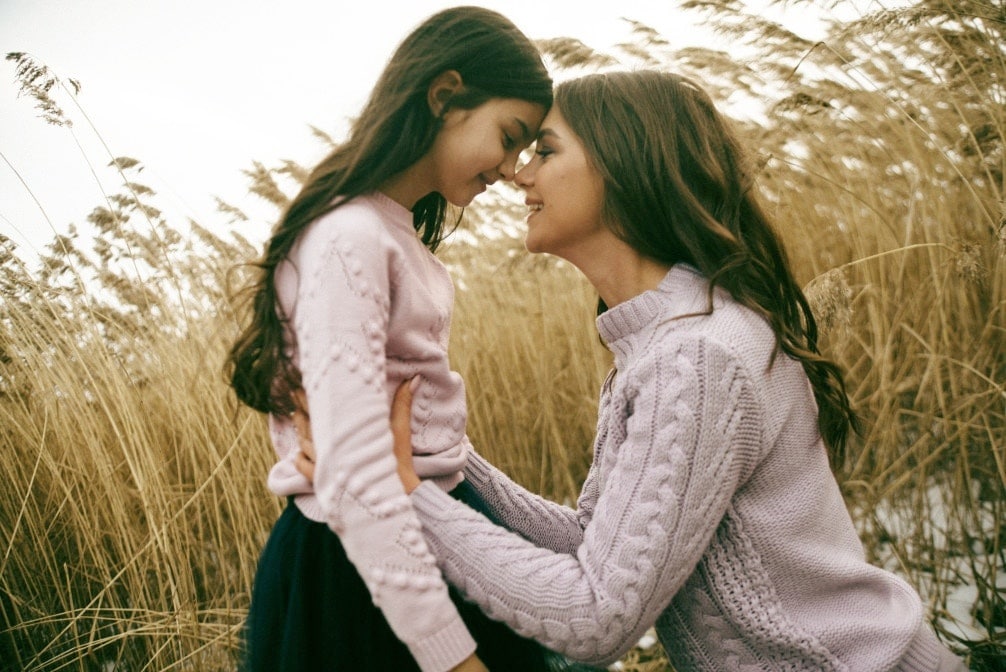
x=394 y=130
x=678 y=189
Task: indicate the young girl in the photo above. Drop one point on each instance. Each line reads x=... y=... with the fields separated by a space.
x=710 y=510
x=350 y=302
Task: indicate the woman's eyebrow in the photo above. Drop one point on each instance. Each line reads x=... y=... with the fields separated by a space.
x=546 y=132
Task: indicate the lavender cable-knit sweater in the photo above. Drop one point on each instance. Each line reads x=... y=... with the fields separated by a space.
x=709 y=511
x=369 y=306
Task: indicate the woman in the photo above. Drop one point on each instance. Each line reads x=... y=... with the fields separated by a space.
x=710 y=510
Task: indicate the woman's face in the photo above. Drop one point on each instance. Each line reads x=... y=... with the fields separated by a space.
x=564 y=193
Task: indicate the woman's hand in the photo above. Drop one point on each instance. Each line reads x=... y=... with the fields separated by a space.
x=401 y=430
x=302 y=423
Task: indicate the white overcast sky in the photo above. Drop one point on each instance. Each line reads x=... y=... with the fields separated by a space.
x=198 y=89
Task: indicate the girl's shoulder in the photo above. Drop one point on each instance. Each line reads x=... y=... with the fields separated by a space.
x=364 y=221
x=357 y=217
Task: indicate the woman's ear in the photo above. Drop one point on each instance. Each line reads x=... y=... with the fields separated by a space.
x=442 y=89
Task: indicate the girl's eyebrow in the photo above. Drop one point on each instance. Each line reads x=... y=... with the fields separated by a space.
x=546 y=132
x=525 y=131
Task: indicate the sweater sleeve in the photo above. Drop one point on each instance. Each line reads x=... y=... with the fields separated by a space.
x=543 y=522
x=682 y=432
x=340 y=325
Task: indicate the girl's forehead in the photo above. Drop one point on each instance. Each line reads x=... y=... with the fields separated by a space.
x=528 y=113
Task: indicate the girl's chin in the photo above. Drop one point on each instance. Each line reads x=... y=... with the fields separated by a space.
x=460 y=202
x=464 y=200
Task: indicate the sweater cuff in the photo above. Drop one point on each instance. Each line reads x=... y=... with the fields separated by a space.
x=445 y=648
x=429 y=500
x=927 y=653
x=478 y=471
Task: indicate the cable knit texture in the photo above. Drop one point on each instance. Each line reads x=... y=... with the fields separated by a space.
x=709 y=510
x=367 y=307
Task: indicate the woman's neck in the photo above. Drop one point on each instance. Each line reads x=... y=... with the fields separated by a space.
x=619 y=272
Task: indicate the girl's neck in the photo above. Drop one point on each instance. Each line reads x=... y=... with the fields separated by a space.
x=408 y=186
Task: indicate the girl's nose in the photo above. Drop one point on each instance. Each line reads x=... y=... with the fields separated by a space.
x=525 y=176
x=507 y=169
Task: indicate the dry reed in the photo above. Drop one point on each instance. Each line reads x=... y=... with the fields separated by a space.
x=136 y=506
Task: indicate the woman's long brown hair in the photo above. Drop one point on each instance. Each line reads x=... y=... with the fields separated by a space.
x=678 y=189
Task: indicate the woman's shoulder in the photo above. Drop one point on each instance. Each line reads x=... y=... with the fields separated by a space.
x=726 y=330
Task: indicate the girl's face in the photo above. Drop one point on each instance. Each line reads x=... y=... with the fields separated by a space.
x=565 y=194
x=476 y=147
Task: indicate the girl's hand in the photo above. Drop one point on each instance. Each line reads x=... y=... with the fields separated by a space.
x=470 y=664
x=401 y=430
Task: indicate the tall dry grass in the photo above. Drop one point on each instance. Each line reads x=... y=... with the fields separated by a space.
x=136 y=506
x=134 y=503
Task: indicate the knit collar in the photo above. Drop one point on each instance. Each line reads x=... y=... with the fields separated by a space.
x=683 y=290
x=396 y=213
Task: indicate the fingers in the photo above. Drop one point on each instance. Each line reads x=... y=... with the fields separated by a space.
x=470 y=664
x=401 y=417
x=300 y=399
x=401 y=430
x=302 y=424
x=305 y=465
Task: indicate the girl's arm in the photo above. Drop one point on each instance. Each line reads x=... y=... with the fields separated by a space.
x=687 y=434
x=340 y=324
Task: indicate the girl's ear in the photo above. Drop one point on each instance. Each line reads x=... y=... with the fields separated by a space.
x=442 y=89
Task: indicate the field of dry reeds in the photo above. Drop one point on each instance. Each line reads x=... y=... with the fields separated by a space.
x=134 y=503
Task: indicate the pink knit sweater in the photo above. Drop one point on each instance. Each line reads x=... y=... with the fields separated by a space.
x=709 y=511
x=369 y=306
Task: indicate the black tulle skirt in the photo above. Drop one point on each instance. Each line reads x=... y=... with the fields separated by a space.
x=311 y=612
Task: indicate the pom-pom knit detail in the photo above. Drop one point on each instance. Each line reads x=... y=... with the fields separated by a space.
x=367 y=307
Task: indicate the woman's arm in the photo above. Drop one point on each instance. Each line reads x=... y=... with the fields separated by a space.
x=688 y=432
x=541 y=521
